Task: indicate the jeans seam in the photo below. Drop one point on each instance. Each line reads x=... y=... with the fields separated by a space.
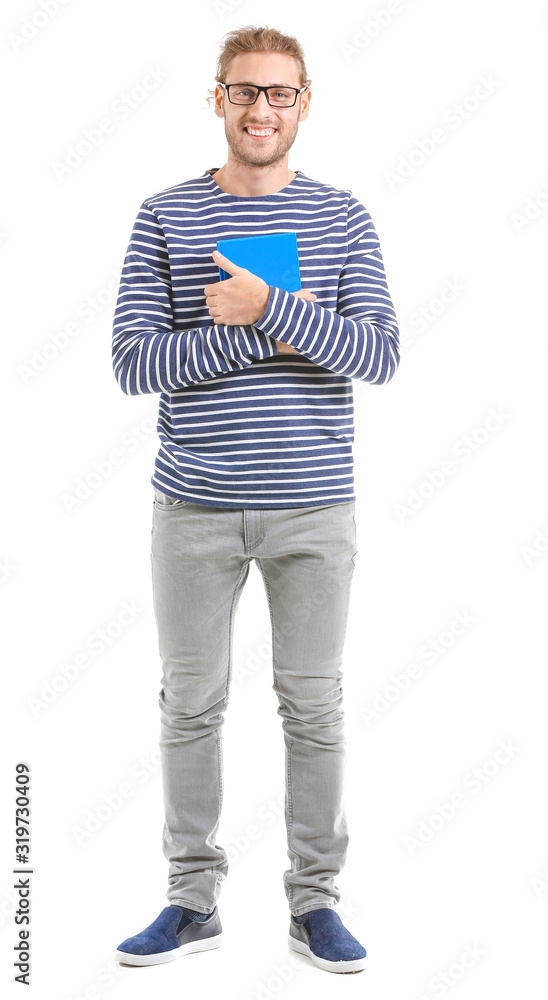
x=290 y=812
x=271 y=612
x=289 y=738
x=260 y=536
x=230 y=630
x=220 y=769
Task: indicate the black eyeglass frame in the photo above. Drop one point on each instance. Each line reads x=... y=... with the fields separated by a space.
x=240 y=104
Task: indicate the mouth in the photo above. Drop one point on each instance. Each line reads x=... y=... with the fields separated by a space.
x=260 y=134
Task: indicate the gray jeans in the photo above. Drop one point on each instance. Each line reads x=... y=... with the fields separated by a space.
x=200 y=558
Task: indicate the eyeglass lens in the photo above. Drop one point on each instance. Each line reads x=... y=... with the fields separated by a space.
x=280 y=97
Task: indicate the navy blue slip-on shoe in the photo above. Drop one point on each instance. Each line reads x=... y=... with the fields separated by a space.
x=176 y=931
x=322 y=936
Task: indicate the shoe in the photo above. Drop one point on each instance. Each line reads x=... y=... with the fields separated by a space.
x=176 y=931
x=322 y=936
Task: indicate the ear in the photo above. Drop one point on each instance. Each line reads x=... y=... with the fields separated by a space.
x=219 y=98
x=305 y=104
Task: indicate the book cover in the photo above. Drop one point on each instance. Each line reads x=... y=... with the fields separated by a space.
x=274 y=258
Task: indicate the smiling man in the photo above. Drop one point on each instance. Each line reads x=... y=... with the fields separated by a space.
x=255 y=463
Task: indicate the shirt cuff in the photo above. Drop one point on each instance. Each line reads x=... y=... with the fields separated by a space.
x=261 y=323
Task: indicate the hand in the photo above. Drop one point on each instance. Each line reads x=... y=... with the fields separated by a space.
x=238 y=300
x=302 y=293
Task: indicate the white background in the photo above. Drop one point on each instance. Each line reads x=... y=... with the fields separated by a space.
x=471 y=212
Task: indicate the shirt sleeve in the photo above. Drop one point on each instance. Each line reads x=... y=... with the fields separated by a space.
x=148 y=355
x=361 y=339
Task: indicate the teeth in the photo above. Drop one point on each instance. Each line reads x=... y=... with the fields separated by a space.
x=260 y=131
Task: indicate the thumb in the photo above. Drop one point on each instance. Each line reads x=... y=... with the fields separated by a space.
x=226 y=264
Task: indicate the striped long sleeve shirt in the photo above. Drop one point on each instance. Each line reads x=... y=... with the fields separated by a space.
x=241 y=425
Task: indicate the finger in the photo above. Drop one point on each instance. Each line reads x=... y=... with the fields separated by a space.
x=226 y=264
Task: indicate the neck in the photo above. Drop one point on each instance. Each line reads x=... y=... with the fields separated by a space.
x=248 y=179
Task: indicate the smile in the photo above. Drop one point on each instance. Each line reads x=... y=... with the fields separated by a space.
x=259 y=133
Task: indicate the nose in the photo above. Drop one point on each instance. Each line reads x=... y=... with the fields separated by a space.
x=261 y=104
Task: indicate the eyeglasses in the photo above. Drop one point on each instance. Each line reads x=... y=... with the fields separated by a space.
x=277 y=97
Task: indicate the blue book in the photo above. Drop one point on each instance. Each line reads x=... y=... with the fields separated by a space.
x=274 y=258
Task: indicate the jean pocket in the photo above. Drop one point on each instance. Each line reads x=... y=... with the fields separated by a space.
x=164 y=501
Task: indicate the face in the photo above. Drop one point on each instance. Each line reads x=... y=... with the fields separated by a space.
x=264 y=69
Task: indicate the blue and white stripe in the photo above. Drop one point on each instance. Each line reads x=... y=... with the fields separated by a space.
x=241 y=425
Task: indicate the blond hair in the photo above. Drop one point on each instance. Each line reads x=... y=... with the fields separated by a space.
x=251 y=39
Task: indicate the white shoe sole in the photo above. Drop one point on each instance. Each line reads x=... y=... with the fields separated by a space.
x=205 y=944
x=353 y=965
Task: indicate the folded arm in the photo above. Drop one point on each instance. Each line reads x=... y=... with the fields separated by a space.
x=361 y=339
x=148 y=355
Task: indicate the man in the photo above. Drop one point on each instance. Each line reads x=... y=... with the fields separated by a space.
x=255 y=462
